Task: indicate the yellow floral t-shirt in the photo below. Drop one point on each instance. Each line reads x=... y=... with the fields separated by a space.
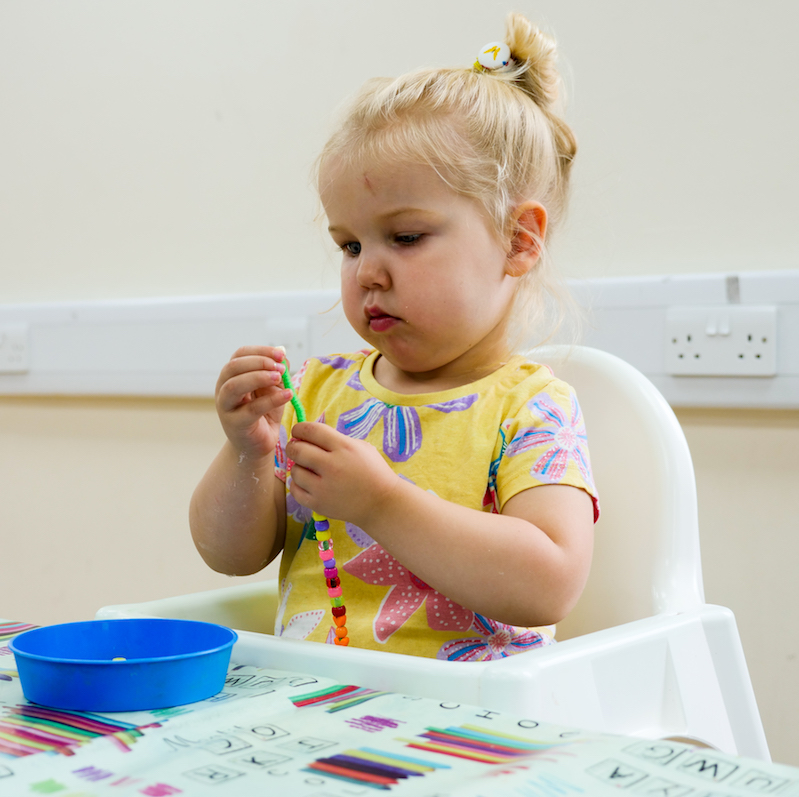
x=476 y=445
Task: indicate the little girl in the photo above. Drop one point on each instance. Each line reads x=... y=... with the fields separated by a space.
x=454 y=473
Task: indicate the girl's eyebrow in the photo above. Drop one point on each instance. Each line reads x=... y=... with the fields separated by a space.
x=433 y=215
x=402 y=211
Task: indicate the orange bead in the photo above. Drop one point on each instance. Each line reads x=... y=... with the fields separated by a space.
x=339 y=621
x=341 y=631
x=343 y=641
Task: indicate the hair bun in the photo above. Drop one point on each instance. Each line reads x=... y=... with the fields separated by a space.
x=536 y=55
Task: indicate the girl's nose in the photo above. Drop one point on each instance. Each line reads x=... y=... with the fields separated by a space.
x=373 y=271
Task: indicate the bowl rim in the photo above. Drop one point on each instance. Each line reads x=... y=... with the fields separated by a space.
x=121 y=662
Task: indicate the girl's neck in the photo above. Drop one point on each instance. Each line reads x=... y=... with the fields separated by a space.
x=435 y=381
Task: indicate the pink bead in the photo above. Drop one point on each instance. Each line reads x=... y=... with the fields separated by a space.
x=334 y=593
x=331 y=572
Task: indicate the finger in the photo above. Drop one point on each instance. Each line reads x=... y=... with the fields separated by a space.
x=300 y=494
x=307 y=485
x=261 y=406
x=318 y=434
x=256 y=384
x=276 y=353
x=243 y=365
x=306 y=455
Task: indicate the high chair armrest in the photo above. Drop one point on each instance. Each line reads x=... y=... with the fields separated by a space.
x=652 y=677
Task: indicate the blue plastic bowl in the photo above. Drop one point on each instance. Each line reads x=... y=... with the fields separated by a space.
x=160 y=663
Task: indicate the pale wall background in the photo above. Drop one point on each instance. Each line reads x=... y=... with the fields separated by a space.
x=151 y=148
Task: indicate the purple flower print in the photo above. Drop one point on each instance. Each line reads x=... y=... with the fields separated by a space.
x=295 y=510
x=493 y=641
x=406 y=594
x=562 y=436
x=402 y=428
x=358 y=535
x=336 y=362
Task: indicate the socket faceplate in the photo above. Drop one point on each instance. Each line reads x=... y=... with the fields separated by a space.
x=722 y=340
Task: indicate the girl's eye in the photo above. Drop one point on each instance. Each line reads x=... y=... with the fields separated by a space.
x=408 y=239
x=352 y=248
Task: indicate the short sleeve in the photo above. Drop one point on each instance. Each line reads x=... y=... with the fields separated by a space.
x=547 y=445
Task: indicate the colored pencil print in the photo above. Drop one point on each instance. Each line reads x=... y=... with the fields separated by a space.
x=28 y=729
x=476 y=744
x=337 y=697
x=10 y=629
x=375 y=769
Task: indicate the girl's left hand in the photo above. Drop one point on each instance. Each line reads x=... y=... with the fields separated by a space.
x=336 y=476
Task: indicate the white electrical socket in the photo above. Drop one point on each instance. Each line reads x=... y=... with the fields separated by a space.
x=14 y=348
x=722 y=340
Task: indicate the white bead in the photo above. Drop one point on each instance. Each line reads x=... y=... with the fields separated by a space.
x=494 y=55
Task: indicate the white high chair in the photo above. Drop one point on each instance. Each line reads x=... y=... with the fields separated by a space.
x=642 y=654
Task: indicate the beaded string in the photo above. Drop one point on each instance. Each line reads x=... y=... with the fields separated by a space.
x=324 y=540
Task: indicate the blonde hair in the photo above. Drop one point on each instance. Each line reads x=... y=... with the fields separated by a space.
x=495 y=137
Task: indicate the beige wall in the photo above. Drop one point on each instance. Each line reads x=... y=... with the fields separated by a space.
x=94 y=507
x=151 y=148
x=746 y=467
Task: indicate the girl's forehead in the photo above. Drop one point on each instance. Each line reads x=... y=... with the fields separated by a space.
x=381 y=177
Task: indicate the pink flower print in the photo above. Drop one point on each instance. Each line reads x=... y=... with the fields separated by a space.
x=493 y=641
x=300 y=626
x=562 y=436
x=406 y=594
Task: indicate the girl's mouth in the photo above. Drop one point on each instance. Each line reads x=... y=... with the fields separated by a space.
x=382 y=323
x=378 y=320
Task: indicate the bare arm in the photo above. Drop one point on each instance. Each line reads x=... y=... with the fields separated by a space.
x=237 y=513
x=525 y=567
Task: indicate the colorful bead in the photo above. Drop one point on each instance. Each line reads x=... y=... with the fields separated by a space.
x=322 y=534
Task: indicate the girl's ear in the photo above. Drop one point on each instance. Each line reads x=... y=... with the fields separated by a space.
x=530 y=225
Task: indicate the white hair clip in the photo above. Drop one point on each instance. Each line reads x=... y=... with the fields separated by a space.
x=494 y=56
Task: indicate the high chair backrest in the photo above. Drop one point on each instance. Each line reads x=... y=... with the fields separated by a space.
x=646 y=554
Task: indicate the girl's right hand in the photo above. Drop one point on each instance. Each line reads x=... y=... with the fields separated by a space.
x=250 y=398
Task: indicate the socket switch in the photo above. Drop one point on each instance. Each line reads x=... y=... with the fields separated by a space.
x=14 y=349
x=721 y=340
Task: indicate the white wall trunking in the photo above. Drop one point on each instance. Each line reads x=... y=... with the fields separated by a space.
x=717 y=340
